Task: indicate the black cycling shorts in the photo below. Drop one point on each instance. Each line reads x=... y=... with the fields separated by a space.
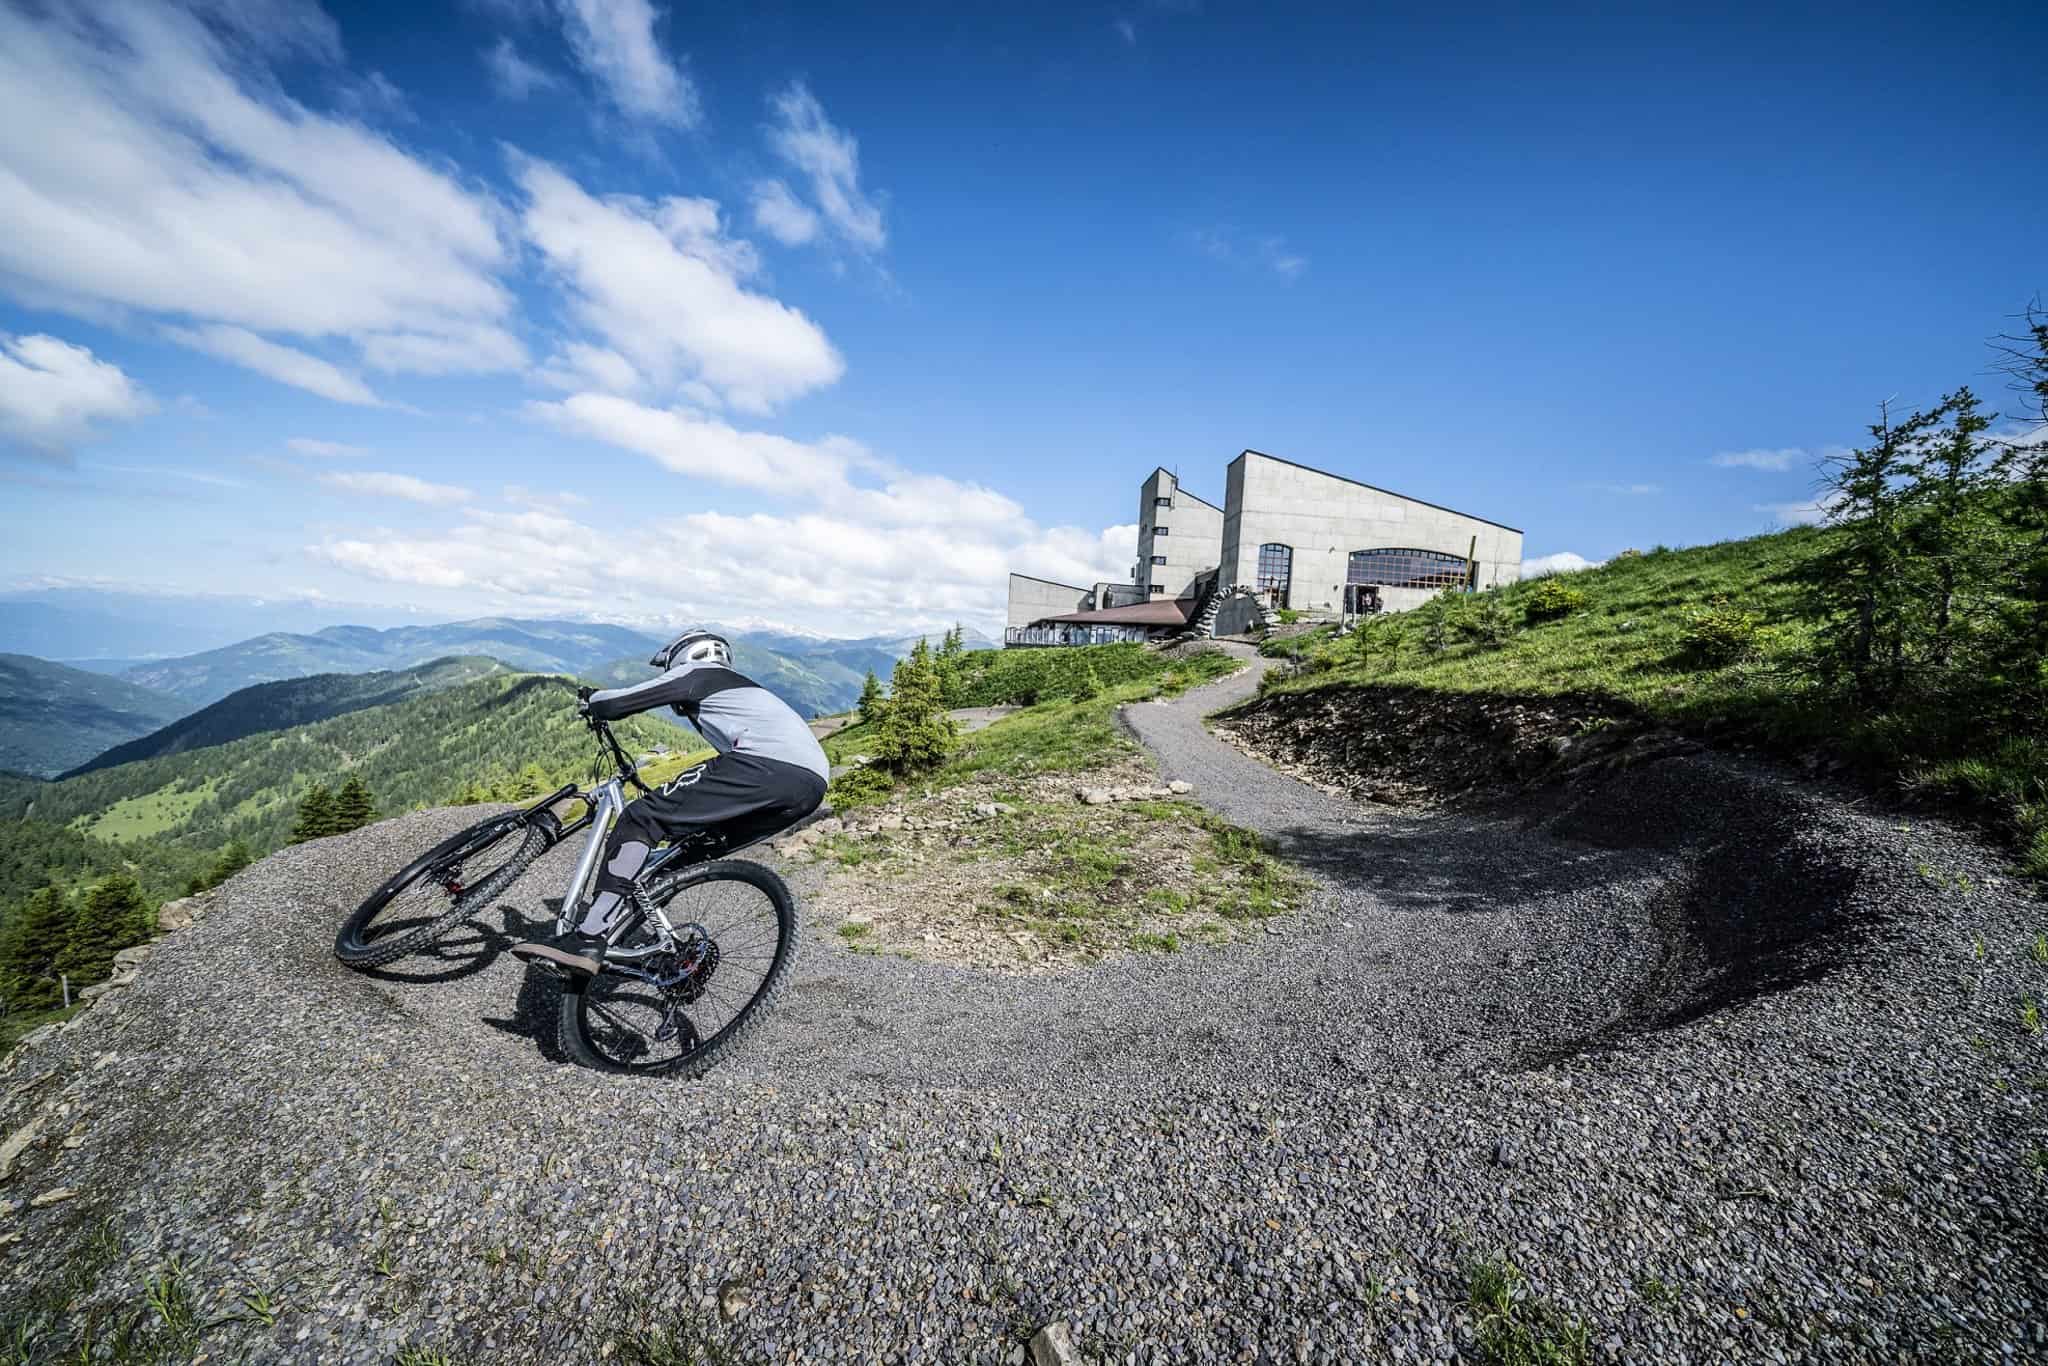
x=744 y=795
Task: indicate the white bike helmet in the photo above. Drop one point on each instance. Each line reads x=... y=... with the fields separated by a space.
x=697 y=645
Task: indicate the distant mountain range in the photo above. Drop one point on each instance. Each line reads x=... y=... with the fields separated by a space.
x=53 y=717
x=293 y=702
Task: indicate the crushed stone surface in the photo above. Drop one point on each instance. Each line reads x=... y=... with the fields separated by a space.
x=1730 y=1066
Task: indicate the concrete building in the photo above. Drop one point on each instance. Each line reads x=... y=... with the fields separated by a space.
x=1178 y=535
x=1316 y=542
x=1287 y=536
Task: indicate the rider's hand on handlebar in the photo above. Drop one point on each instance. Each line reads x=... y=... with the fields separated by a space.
x=583 y=700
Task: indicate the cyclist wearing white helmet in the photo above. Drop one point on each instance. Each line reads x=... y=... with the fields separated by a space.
x=769 y=773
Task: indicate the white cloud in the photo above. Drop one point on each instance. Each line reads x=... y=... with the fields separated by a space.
x=190 y=476
x=326 y=450
x=1267 y=252
x=614 y=41
x=512 y=75
x=660 y=282
x=689 y=443
x=1776 y=461
x=396 y=486
x=474 y=350
x=581 y=366
x=54 y=395
x=150 y=164
x=1563 y=562
x=1129 y=32
x=1811 y=512
x=281 y=363
x=829 y=158
x=780 y=214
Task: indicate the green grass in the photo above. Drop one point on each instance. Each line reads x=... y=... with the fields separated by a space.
x=1656 y=633
x=1516 y=1328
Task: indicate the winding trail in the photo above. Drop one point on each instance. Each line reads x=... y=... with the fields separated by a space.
x=1488 y=1035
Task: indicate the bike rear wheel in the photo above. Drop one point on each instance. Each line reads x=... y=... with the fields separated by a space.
x=439 y=890
x=676 y=1012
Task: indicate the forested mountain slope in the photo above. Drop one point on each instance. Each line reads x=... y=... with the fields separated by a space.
x=293 y=702
x=423 y=751
x=53 y=716
x=540 y=646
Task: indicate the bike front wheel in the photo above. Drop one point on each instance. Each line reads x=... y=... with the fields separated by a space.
x=439 y=890
x=674 y=1009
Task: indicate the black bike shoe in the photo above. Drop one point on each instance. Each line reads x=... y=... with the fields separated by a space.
x=575 y=953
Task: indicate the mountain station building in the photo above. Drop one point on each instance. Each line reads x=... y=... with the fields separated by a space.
x=1286 y=537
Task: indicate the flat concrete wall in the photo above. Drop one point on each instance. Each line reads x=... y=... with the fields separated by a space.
x=1324 y=518
x=1032 y=599
x=1192 y=543
x=1109 y=595
x=1235 y=616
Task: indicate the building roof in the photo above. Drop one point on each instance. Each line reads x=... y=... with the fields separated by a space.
x=1343 y=479
x=1162 y=612
x=1179 y=487
x=1077 y=587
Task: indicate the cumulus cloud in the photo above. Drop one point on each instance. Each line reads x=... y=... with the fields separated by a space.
x=54 y=395
x=512 y=75
x=828 y=158
x=1562 y=562
x=688 y=443
x=396 y=486
x=780 y=214
x=614 y=40
x=149 y=164
x=282 y=363
x=660 y=282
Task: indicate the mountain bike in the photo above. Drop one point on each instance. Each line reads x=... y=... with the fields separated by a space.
x=701 y=946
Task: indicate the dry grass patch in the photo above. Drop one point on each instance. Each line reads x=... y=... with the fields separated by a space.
x=1023 y=877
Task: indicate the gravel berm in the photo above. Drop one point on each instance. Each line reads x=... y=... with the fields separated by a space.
x=1730 y=1066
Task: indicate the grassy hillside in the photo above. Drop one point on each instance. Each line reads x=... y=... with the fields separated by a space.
x=53 y=717
x=292 y=702
x=540 y=646
x=1717 y=641
x=418 y=752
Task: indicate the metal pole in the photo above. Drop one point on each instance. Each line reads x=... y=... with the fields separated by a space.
x=64 y=979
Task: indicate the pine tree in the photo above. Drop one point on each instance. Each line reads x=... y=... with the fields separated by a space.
x=353 y=806
x=232 y=860
x=915 y=733
x=871 y=703
x=113 y=915
x=31 y=944
x=1951 y=530
x=316 y=815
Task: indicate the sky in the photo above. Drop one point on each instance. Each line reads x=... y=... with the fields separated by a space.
x=829 y=316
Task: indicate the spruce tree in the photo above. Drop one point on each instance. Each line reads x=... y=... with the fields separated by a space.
x=32 y=942
x=1952 y=531
x=353 y=806
x=871 y=702
x=915 y=733
x=316 y=815
x=232 y=860
x=110 y=917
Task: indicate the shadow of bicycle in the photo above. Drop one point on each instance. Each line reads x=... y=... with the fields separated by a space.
x=474 y=946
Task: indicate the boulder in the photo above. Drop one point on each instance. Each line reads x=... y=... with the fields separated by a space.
x=1053 y=1345
x=133 y=957
x=176 y=915
x=1094 y=796
x=99 y=989
x=1179 y=788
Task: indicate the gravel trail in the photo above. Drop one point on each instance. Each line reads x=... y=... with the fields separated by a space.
x=1714 y=1057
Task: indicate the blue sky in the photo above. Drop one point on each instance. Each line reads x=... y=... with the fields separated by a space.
x=828 y=316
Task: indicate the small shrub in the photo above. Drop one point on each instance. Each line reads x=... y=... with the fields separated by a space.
x=1552 y=601
x=1488 y=621
x=1288 y=616
x=1441 y=616
x=859 y=787
x=1720 y=633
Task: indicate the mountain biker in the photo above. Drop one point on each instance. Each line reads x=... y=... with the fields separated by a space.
x=768 y=774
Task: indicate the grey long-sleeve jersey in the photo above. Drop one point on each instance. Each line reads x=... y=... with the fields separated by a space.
x=728 y=709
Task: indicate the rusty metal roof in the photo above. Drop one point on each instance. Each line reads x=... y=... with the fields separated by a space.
x=1164 y=612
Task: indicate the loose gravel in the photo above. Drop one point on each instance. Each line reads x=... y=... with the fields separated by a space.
x=1732 y=1067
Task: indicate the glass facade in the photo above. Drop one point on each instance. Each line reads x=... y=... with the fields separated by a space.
x=1403 y=568
x=1276 y=572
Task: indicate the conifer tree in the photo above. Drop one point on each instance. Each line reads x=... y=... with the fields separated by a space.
x=316 y=815
x=31 y=942
x=110 y=917
x=915 y=733
x=232 y=860
x=1952 y=530
x=353 y=806
x=871 y=702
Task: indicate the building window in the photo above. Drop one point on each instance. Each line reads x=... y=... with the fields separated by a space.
x=1395 y=567
x=1158 y=531
x=1276 y=573
x=1162 y=502
x=1159 y=559
x=1159 y=588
